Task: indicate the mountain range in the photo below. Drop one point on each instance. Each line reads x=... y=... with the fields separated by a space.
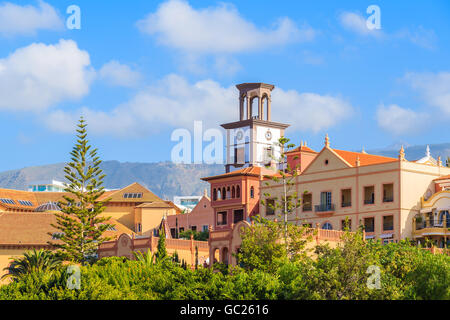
x=167 y=179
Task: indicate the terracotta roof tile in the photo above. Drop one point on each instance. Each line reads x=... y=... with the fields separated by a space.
x=31 y=228
x=443 y=178
x=364 y=158
x=249 y=171
x=26 y=228
x=302 y=148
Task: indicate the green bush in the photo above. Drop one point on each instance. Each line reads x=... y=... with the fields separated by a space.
x=407 y=272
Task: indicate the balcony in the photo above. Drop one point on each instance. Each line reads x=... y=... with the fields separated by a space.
x=324 y=208
x=388 y=199
x=430 y=227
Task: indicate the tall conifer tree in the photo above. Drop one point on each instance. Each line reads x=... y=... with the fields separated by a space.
x=80 y=224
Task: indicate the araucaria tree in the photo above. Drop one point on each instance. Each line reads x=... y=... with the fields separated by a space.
x=80 y=222
x=288 y=200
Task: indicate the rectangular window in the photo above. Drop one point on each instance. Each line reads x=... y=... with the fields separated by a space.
x=173 y=232
x=239 y=155
x=325 y=199
x=388 y=192
x=181 y=230
x=268 y=155
x=221 y=218
x=369 y=195
x=346 y=225
x=346 y=198
x=194 y=228
x=369 y=224
x=205 y=228
x=270 y=207
x=307 y=202
x=238 y=215
x=388 y=223
x=325 y=202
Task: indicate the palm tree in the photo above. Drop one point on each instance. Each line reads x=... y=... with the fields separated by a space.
x=32 y=261
x=145 y=258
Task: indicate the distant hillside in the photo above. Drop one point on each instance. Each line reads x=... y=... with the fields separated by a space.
x=416 y=152
x=166 y=179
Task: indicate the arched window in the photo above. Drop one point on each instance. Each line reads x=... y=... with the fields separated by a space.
x=219 y=194
x=238 y=192
x=214 y=194
x=445 y=214
x=224 y=193
x=233 y=192
x=244 y=107
x=252 y=192
x=327 y=226
x=265 y=107
x=254 y=107
x=228 y=193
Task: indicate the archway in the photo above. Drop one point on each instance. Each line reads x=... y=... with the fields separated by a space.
x=225 y=255
x=254 y=108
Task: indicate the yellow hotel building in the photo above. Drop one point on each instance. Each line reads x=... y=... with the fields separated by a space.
x=381 y=193
x=26 y=217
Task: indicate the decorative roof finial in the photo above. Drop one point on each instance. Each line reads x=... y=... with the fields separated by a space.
x=357 y=162
x=305 y=144
x=205 y=192
x=401 y=154
x=363 y=151
x=428 y=151
x=301 y=143
x=327 y=141
x=439 y=161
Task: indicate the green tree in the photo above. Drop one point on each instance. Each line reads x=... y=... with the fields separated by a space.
x=199 y=236
x=263 y=249
x=80 y=224
x=32 y=261
x=285 y=176
x=196 y=257
x=162 y=251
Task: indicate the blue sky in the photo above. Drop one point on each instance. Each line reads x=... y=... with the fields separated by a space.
x=137 y=70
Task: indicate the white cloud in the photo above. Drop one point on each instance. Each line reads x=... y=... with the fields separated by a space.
x=421 y=37
x=26 y=20
x=400 y=121
x=309 y=111
x=174 y=102
x=434 y=87
x=39 y=75
x=118 y=74
x=357 y=23
x=215 y=30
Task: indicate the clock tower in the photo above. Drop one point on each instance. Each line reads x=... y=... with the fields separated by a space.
x=253 y=140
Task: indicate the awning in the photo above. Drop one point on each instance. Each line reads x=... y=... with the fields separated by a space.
x=386 y=235
x=370 y=237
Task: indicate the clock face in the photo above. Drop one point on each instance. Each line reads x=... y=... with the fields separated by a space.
x=239 y=135
x=268 y=135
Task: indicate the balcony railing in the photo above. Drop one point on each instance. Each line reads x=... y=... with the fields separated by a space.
x=324 y=207
x=307 y=207
x=369 y=201
x=388 y=199
x=346 y=204
x=432 y=223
